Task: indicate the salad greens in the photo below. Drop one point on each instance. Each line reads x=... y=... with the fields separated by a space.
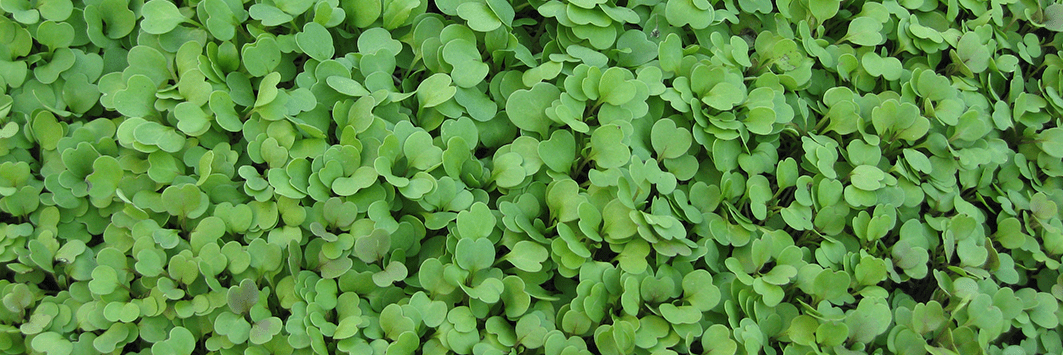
x=531 y=176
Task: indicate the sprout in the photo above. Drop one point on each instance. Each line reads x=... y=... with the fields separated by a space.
x=557 y=177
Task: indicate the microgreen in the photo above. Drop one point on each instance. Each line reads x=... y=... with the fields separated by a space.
x=555 y=177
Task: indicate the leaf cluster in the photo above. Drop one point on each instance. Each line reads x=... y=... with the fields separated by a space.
x=531 y=176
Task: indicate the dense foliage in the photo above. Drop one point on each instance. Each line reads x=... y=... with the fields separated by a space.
x=531 y=177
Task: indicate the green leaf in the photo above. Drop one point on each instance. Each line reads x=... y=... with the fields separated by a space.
x=346 y=86
x=680 y=314
x=824 y=9
x=1051 y=141
x=52 y=343
x=803 y=330
x=106 y=176
x=378 y=39
x=185 y=201
x=316 y=41
x=295 y=7
x=149 y=263
x=616 y=87
x=21 y=11
x=697 y=14
x=435 y=90
x=138 y=98
x=563 y=199
x=504 y=11
x=262 y=56
x=365 y=12
x=180 y=342
x=724 y=96
x=160 y=17
x=865 y=31
x=121 y=312
x=669 y=141
x=831 y=334
x=243 y=297
x=221 y=21
x=1053 y=16
x=479 y=16
x=527 y=256
x=235 y=328
x=476 y=223
x=474 y=254
x=771 y=294
x=509 y=171
x=888 y=68
x=394 y=272
x=191 y=119
x=633 y=258
x=973 y=53
x=527 y=108
x=489 y=291
x=760 y=120
x=372 y=247
x=607 y=147
x=558 y=152
x=867 y=177
x=831 y=285
x=55 y=35
x=699 y=290
x=269 y=15
x=420 y=153
x=871 y=318
x=264 y=330
x=104 y=280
